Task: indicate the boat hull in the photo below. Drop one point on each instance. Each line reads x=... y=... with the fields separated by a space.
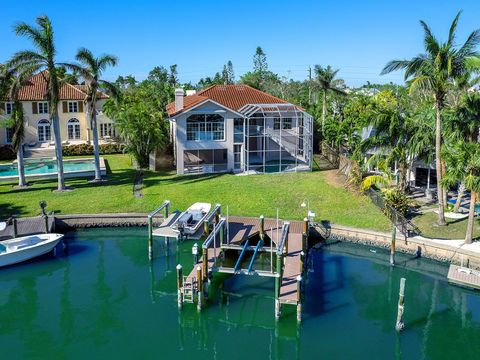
x=30 y=252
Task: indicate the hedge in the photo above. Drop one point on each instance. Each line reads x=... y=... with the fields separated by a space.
x=7 y=153
x=87 y=149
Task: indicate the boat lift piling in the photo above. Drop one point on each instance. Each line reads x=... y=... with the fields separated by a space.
x=165 y=206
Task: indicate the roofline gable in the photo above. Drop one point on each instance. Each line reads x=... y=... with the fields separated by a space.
x=181 y=112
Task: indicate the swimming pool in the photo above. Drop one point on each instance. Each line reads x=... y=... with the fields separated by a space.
x=47 y=168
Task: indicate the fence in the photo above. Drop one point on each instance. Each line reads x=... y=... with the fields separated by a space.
x=405 y=226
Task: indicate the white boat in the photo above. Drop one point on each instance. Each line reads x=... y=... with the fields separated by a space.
x=190 y=220
x=27 y=247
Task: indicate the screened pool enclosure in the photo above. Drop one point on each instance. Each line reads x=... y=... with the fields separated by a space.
x=276 y=138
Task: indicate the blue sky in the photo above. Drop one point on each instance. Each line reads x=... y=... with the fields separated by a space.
x=200 y=36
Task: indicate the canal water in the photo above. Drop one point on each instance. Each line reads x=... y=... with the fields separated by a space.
x=103 y=299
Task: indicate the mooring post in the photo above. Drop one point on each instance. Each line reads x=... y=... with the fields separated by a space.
x=167 y=209
x=299 y=298
x=179 y=285
x=262 y=227
x=305 y=225
x=205 y=263
x=150 y=228
x=195 y=253
x=15 y=227
x=45 y=218
x=401 y=303
x=392 y=246
x=217 y=216
x=302 y=261
x=206 y=227
x=199 y=288
x=278 y=282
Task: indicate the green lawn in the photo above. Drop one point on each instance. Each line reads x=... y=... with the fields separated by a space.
x=455 y=229
x=244 y=195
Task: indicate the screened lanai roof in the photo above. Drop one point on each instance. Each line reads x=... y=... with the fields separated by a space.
x=270 y=109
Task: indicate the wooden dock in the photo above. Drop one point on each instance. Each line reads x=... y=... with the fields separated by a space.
x=28 y=226
x=292 y=269
x=464 y=277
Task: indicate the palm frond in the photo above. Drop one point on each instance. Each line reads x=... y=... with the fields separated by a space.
x=394 y=65
x=453 y=27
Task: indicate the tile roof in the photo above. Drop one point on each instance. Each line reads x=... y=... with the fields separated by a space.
x=35 y=89
x=232 y=97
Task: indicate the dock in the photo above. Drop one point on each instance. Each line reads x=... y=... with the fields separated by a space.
x=28 y=226
x=237 y=240
x=463 y=276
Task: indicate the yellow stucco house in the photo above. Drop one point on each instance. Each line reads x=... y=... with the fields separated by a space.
x=74 y=126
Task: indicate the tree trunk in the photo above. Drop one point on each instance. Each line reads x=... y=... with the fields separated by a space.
x=471 y=218
x=58 y=151
x=21 y=167
x=445 y=190
x=438 y=164
x=324 y=110
x=96 y=149
x=461 y=192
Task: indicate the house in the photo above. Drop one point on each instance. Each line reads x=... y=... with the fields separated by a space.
x=236 y=128
x=74 y=127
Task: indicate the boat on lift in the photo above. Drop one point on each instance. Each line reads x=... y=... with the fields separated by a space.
x=24 y=248
x=190 y=220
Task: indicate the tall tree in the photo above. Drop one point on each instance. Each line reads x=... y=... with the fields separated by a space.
x=327 y=83
x=9 y=87
x=260 y=61
x=432 y=72
x=463 y=164
x=28 y=62
x=91 y=69
x=227 y=73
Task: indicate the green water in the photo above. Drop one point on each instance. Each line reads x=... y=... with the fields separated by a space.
x=103 y=300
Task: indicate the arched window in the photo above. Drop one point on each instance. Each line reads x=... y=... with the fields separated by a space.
x=73 y=127
x=44 y=131
x=202 y=127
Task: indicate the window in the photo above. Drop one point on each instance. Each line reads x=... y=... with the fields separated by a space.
x=237 y=157
x=276 y=123
x=43 y=107
x=107 y=130
x=8 y=108
x=206 y=127
x=205 y=161
x=287 y=124
x=44 y=131
x=73 y=127
x=73 y=106
x=238 y=130
x=9 y=135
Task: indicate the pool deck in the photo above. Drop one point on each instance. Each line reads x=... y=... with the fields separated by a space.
x=53 y=175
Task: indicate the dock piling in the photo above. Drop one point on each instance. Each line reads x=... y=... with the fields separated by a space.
x=45 y=218
x=199 y=288
x=15 y=227
x=392 y=246
x=401 y=303
x=206 y=227
x=179 y=285
x=299 y=298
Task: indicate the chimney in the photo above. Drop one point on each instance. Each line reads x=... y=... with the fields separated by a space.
x=179 y=94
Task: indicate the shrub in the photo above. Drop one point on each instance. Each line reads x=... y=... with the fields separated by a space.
x=7 y=152
x=87 y=149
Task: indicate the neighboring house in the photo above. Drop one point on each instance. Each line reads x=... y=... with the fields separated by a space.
x=74 y=127
x=237 y=128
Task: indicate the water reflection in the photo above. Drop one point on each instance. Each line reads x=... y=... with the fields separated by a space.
x=103 y=298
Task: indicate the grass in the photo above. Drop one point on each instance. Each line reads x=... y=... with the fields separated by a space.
x=455 y=229
x=244 y=195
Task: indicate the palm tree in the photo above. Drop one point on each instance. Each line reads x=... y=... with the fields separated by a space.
x=328 y=83
x=463 y=164
x=9 y=87
x=91 y=68
x=26 y=63
x=432 y=72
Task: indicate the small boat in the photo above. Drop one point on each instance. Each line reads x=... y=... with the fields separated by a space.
x=27 y=247
x=190 y=220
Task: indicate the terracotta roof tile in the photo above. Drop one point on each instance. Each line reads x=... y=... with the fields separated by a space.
x=35 y=89
x=233 y=97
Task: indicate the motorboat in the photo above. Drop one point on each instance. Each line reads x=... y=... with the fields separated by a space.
x=190 y=220
x=24 y=248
